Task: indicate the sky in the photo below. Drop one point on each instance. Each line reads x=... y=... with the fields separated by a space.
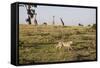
x=70 y=15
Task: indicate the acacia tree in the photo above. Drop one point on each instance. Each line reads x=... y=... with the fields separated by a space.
x=30 y=12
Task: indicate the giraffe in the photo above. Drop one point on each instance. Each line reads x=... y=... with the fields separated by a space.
x=53 y=20
x=62 y=21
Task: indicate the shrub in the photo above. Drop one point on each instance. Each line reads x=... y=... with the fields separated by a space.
x=94 y=26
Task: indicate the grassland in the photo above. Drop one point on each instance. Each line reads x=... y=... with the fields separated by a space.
x=38 y=43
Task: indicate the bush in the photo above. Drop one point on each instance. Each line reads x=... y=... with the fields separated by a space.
x=94 y=26
x=80 y=24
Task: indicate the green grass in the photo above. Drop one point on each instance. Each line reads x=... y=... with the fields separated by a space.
x=38 y=43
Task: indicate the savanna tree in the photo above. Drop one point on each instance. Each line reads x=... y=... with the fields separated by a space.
x=30 y=12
